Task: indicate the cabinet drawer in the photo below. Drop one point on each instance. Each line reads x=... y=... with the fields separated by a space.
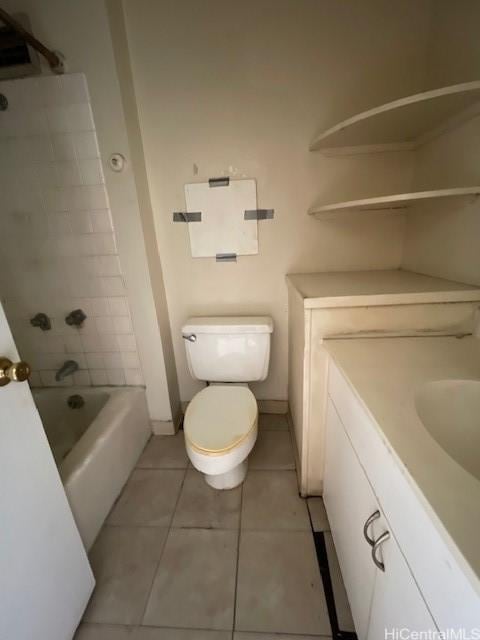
x=447 y=591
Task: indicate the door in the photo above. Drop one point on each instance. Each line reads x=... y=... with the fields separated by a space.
x=350 y=501
x=397 y=602
x=45 y=578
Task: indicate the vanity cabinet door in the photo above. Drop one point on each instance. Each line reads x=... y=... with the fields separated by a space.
x=397 y=603
x=350 y=501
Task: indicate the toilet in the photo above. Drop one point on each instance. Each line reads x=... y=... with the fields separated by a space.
x=221 y=421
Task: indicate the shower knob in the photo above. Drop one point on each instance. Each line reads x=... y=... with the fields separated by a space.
x=13 y=371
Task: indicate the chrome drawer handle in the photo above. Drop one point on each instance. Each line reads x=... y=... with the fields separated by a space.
x=383 y=538
x=191 y=337
x=375 y=516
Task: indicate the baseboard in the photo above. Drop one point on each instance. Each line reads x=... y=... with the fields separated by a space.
x=295 y=454
x=264 y=406
x=273 y=406
x=163 y=427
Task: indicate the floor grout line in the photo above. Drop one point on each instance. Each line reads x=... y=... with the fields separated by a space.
x=237 y=561
x=169 y=528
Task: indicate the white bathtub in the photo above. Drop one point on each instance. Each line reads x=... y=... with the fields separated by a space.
x=95 y=446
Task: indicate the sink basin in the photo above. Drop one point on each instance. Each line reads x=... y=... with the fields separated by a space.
x=450 y=411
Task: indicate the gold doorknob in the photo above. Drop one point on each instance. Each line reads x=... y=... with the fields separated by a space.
x=13 y=371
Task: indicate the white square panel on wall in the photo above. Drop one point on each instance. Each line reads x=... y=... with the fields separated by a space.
x=222 y=228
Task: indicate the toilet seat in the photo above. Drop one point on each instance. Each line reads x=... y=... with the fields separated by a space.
x=219 y=418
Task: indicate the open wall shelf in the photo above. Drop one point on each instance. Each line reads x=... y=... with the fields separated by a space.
x=402 y=124
x=394 y=201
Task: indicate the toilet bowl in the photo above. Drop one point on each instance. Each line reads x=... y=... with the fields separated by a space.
x=221 y=421
x=220 y=429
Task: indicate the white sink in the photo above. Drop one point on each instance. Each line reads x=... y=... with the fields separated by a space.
x=450 y=411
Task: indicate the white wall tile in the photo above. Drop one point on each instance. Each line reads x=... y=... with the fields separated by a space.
x=95 y=361
x=57 y=119
x=73 y=344
x=86 y=145
x=101 y=221
x=108 y=266
x=81 y=222
x=118 y=307
x=74 y=88
x=99 y=378
x=116 y=377
x=133 y=377
x=91 y=171
x=82 y=378
x=112 y=286
x=94 y=306
x=113 y=360
x=104 y=324
x=130 y=360
x=122 y=324
x=63 y=146
x=88 y=197
x=126 y=342
x=79 y=117
x=55 y=206
x=68 y=174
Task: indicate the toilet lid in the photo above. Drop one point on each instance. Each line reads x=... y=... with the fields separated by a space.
x=219 y=417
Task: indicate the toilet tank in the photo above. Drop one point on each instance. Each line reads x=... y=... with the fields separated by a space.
x=228 y=349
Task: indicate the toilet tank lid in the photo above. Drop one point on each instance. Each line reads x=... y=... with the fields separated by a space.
x=229 y=324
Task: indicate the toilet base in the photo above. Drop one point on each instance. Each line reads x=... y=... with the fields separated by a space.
x=230 y=479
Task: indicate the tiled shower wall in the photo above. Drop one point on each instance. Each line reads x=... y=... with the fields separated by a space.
x=58 y=250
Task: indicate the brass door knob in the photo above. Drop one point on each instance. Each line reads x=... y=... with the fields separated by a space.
x=13 y=371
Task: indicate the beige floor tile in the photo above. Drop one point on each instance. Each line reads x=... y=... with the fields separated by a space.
x=279 y=586
x=247 y=635
x=201 y=506
x=124 y=561
x=342 y=606
x=116 y=632
x=149 y=633
x=195 y=583
x=273 y=421
x=273 y=450
x=271 y=501
x=164 y=452
x=318 y=514
x=103 y=632
x=149 y=498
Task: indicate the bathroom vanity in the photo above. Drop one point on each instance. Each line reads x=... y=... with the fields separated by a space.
x=352 y=305
x=403 y=500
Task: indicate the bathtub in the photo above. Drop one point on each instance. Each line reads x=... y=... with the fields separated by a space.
x=95 y=446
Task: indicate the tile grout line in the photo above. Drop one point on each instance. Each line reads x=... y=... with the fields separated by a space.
x=237 y=561
x=169 y=528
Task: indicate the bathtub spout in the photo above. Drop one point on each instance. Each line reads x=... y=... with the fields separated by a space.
x=67 y=368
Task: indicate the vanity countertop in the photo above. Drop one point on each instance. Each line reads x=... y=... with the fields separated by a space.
x=369 y=288
x=385 y=374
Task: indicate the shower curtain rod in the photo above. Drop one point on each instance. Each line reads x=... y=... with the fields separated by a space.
x=53 y=59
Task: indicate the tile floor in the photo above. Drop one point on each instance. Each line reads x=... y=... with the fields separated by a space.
x=178 y=560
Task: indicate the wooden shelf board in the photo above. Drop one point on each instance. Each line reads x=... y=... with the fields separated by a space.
x=394 y=201
x=402 y=124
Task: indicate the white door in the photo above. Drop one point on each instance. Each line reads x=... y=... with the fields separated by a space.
x=397 y=602
x=45 y=578
x=349 y=501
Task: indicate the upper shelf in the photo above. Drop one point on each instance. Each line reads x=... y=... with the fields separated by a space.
x=403 y=124
x=395 y=201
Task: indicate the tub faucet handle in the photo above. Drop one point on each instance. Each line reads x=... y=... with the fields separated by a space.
x=75 y=318
x=13 y=371
x=191 y=337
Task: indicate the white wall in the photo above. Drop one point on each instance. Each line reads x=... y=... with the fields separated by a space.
x=442 y=239
x=80 y=30
x=240 y=89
